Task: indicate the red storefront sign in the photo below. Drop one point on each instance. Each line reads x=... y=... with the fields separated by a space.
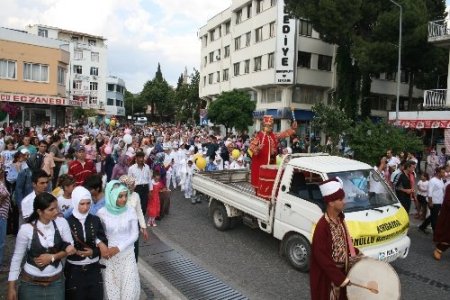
x=420 y=124
x=32 y=99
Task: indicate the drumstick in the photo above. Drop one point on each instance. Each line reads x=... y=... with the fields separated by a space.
x=371 y=286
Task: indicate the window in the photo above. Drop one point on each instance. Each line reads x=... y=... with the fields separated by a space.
x=248 y=37
x=218 y=54
x=258 y=63
x=211 y=35
x=110 y=102
x=308 y=95
x=93 y=100
x=205 y=61
x=35 y=72
x=270 y=60
x=273 y=3
x=61 y=75
x=78 y=69
x=237 y=43
x=404 y=76
x=119 y=103
x=94 y=71
x=239 y=16
x=249 y=11
x=93 y=86
x=272 y=29
x=211 y=57
x=92 y=42
x=271 y=95
x=259 y=6
x=227 y=27
x=390 y=76
x=324 y=62
x=247 y=66
x=304 y=59
x=7 y=69
x=75 y=38
x=77 y=84
x=94 y=56
x=42 y=32
x=225 y=74
x=110 y=87
x=227 y=51
x=205 y=40
x=218 y=76
x=236 y=69
x=78 y=54
x=258 y=35
x=211 y=78
x=204 y=80
x=305 y=28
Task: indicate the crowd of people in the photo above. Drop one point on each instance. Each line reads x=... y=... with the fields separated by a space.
x=86 y=195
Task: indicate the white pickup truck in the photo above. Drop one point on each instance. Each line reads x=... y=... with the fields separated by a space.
x=376 y=220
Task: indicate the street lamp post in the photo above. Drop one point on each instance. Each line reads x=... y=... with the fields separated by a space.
x=399 y=62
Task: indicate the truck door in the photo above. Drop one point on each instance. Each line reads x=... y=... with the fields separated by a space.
x=299 y=202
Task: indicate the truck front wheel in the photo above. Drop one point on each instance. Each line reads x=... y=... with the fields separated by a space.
x=298 y=252
x=220 y=218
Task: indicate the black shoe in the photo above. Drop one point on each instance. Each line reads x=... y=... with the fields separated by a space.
x=423 y=230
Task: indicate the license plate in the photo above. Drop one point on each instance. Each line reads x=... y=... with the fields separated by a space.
x=388 y=255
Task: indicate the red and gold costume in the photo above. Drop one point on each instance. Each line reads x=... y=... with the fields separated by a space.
x=264 y=147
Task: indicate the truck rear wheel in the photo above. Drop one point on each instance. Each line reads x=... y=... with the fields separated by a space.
x=220 y=218
x=298 y=252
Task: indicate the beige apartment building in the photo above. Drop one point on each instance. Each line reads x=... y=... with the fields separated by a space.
x=33 y=73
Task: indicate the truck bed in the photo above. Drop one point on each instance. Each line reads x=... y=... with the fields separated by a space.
x=233 y=187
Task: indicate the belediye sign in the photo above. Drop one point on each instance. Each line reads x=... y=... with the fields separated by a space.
x=284 y=57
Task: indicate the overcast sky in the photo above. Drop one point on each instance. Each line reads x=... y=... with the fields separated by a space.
x=139 y=33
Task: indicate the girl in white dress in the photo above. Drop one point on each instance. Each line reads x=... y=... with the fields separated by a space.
x=121 y=276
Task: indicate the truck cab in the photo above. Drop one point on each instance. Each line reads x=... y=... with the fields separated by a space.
x=377 y=222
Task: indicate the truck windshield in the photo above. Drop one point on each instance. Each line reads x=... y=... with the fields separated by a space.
x=364 y=189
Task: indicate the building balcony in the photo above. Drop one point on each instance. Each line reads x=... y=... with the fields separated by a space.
x=435 y=99
x=439 y=33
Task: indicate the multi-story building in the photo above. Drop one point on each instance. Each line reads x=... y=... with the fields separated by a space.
x=88 y=65
x=33 y=73
x=253 y=45
x=433 y=117
x=114 y=96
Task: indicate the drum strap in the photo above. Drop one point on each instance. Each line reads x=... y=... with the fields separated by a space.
x=349 y=241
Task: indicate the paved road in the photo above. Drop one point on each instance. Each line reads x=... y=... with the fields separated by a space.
x=247 y=259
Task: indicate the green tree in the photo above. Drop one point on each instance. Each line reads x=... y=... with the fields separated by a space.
x=232 y=109
x=160 y=96
x=133 y=104
x=186 y=98
x=370 y=141
x=333 y=122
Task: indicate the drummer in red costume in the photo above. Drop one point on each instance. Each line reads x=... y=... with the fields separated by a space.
x=264 y=146
x=332 y=248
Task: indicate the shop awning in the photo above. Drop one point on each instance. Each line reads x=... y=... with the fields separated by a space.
x=421 y=124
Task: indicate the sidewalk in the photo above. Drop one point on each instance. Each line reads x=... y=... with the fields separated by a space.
x=153 y=286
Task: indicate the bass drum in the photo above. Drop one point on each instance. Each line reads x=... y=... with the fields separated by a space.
x=376 y=274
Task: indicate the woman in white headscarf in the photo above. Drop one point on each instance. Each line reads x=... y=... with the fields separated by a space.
x=121 y=276
x=83 y=270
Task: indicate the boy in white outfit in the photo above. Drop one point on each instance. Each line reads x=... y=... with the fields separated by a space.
x=186 y=182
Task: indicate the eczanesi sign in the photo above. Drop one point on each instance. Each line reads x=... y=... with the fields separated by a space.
x=32 y=99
